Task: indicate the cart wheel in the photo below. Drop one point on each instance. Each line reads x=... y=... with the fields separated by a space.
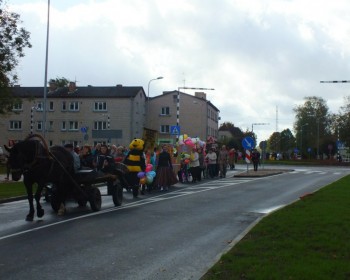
x=135 y=191
x=95 y=199
x=117 y=194
x=55 y=203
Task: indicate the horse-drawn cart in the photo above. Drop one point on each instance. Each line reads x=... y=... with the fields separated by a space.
x=54 y=166
x=85 y=188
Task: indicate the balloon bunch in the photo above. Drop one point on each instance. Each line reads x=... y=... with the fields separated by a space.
x=190 y=142
x=147 y=176
x=185 y=158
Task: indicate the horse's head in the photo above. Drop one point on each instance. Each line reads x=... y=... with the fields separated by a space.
x=21 y=156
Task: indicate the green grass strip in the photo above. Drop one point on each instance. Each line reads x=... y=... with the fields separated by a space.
x=12 y=189
x=308 y=239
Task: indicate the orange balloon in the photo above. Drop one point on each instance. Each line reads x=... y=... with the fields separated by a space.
x=143 y=181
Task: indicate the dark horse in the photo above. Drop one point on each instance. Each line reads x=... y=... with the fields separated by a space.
x=38 y=164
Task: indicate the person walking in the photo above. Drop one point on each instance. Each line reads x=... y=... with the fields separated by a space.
x=231 y=158
x=165 y=176
x=211 y=157
x=201 y=164
x=255 y=159
x=194 y=165
x=223 y=161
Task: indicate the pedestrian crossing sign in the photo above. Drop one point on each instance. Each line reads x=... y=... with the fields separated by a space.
x=175 y=130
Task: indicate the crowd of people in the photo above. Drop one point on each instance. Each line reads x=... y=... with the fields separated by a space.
x=210 y=163
x=202 y=164
x=207 y=164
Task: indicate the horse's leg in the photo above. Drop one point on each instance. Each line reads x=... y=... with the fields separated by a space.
x=39 y=210
x=29 y=189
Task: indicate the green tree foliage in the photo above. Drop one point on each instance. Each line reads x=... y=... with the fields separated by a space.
x=60 y=82
x=13 y=40
x=342 y=122
x=312 y=125
x=273 y=144
x=236 y=135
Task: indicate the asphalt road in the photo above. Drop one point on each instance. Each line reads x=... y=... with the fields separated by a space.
x=174 y=235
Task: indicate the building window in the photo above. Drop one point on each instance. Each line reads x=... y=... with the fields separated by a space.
x=164 y=129
x=63 y=126
x=39 y=125
x=100 y=125
x=15 y=125
x=100 y=106
x=39 y=106
x=51 y=106
x=165 y=111
x=74 y=106
x=73 y=125
x=17 y=107
x=64 y=106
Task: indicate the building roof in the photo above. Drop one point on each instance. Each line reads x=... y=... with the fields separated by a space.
x=183 y=93
x=80 y=92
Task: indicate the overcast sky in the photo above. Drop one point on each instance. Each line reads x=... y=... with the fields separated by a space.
x=262 y=57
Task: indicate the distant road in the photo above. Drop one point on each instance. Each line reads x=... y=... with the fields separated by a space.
x=173 y=235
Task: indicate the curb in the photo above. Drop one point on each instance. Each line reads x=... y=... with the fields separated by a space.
x=12 y=199
x=261 y=173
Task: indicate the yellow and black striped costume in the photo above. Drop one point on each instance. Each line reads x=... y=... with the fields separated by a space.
x=135 y=161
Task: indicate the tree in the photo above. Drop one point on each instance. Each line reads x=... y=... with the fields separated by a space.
x=312 y=125
x=13 y=40
x=235 y=131
x=237 y=135
x=60 y=82
x=342 y=121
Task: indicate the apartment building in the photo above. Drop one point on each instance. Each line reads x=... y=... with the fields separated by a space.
x=77 y=115
x=197 y=116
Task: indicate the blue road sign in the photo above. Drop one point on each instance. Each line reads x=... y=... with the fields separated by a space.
x=83 y=129
x=175 y=130
x=248 y=143
x=340 y=144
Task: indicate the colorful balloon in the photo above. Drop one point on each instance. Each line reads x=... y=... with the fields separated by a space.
x=143 y=180
x=149 y=179
x=141 y=174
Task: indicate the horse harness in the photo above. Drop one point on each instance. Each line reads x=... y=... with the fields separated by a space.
x=41 y=153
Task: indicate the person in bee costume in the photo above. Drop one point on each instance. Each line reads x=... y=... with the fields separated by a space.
x=135 y=162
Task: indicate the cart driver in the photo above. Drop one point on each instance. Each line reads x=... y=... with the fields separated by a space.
x=104 y=161
x=69 y=147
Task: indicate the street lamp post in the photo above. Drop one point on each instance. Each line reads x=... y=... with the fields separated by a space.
x=46 y=66
x=301 y=139
x=159 y=78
